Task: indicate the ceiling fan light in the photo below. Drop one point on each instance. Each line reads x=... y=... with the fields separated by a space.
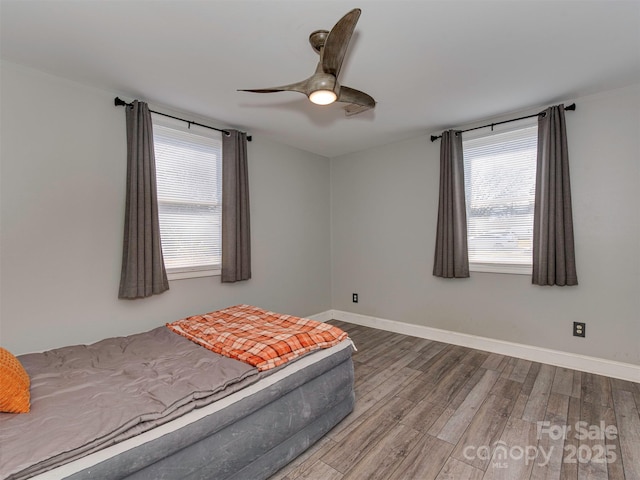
x=323 y=97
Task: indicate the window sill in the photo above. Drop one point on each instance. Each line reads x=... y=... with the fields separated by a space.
x=512 y=269
x=184 y=274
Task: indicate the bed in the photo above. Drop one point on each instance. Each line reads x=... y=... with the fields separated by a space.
x=166 y=416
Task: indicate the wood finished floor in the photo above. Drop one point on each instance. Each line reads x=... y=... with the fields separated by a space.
x=427 y=410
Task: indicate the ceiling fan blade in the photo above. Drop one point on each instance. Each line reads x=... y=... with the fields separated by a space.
x=358 y=101
x=337 y=42
x=293 y=87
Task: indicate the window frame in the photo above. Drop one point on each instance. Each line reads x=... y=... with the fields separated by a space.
x=196 y=271
x=499 y=267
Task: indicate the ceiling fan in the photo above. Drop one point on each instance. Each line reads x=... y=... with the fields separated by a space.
x=323 y=87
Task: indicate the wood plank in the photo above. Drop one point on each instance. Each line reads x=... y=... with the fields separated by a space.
x=423 y=415
x=596 y=389
x=520 y=371
x=419 y=344
x=628 y=423
x=466 y=388
x=618 y=384
x=563 y=382
x=576 y=392
x=417 y=389
x=494 y=361
x=458 y=381
x=568 y=469
x=507 y=388
x=551 y=437
x=441 y=364
x=457 y=424
x=509 y=460
x=367 y=342
x=363 y=371
x=391 y=369
x=442 y=420
x=475 y=358
x=508 y=369
x=424 y=461
x=365 y=435
x=531 y=378
x=483 y=431
x=537 y=404
x=320 y=470
x=520 y=405
x=447 y=387
x=386 y=455
x=427 y=354
x=372 y=354
x=615 y=468
x=589 y=456
x=456 y=470
x=376 y=400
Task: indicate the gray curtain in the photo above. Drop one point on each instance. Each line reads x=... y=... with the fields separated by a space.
x=236 y=234
x=143 y=273
x=451 y=258
x=554 y=261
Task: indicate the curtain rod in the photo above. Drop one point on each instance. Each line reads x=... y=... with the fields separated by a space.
x=569 y=107
x=118 y=102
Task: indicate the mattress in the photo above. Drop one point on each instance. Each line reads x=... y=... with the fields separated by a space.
x=250 y=434
x=236 y=423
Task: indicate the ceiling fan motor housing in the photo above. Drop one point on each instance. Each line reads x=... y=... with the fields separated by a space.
x=317 y=39
x=321 y=81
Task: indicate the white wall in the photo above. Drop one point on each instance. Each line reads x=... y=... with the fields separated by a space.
x=384 y=210
x=62 y=180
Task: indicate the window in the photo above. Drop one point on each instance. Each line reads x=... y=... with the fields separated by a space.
x=500 y=177
x=188 y=172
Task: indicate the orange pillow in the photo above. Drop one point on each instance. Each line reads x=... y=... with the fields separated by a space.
x=14 y=384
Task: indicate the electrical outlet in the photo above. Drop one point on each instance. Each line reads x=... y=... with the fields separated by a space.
x=579 y=329
x=354 y=297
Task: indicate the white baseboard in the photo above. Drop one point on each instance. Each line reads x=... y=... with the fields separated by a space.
x=574 y=361
x=323 y=316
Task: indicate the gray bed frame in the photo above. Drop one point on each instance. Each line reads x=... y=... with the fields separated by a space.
x=250 y=439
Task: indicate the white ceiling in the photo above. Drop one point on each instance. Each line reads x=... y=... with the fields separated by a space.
x=430 y=65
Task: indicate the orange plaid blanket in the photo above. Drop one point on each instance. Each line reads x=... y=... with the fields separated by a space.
x=257 y=337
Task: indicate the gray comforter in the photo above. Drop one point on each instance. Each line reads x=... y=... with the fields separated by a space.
x=87 y=397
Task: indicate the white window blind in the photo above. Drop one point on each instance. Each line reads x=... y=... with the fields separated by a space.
x=188 y=171
x=500 y=176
